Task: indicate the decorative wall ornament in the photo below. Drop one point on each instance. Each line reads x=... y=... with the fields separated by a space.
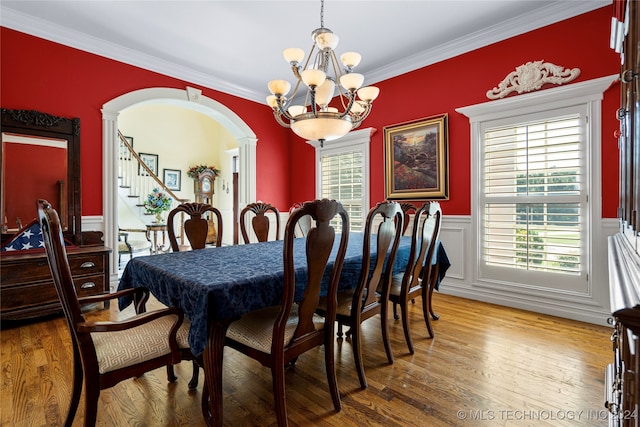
x=532 y=76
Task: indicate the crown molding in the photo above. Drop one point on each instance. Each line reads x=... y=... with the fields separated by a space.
x=37 y=27
x=555 y=12
x=46 y=30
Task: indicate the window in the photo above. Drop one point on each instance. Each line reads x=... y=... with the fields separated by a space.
x=534 y=166
x=342 y=180
x=533 y=199
x=343 y=174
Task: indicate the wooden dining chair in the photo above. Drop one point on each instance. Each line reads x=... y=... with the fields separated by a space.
x=276 y=336
x=304 y=224
x=196 y=228
x=260 y=222
x=409 y=285
x=105 y=353
x=384 y=225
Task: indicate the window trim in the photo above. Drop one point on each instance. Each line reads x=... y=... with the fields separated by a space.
x=588 y=93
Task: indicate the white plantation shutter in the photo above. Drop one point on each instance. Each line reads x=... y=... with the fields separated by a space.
x=533 y=200
x=342 y=178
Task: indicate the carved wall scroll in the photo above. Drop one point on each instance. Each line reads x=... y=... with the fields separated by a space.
x=531 y=76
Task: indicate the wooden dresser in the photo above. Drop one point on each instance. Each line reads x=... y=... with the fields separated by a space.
x=26 y=286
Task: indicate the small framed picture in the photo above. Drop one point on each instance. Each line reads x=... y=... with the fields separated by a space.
x=172 y=179
x=151 y=160
x=125 y=154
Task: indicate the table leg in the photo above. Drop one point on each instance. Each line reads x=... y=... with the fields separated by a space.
x=212 y=392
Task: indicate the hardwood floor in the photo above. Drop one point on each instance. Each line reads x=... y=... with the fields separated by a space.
x=487 y=366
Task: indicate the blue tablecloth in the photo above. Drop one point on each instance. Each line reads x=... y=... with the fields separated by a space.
x=226 y=282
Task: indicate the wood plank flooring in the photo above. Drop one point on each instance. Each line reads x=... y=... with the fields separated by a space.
x=487 y=366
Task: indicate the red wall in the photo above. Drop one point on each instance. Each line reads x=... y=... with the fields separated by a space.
x=581 y=42
x=49 y=77
x=52 y=78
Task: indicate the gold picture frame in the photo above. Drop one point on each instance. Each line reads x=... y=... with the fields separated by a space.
x=417 y=159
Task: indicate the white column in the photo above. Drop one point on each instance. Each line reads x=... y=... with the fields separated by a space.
x=109 y=188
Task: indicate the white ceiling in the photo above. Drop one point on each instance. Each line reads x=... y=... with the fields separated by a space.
x=236 y=46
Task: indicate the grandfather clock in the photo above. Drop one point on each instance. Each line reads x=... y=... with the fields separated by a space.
x=204 y=187
x=204 y=190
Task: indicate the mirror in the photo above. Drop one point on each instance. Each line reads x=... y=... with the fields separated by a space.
x=40 y=159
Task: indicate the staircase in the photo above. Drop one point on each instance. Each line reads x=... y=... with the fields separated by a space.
x=136 y=181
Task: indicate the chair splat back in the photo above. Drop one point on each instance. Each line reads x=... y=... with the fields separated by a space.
x=319 y=243
x=196 y=226
x=260 y=222
x=387 y=241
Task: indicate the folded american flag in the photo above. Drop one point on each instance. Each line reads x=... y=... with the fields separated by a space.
x=29 y=238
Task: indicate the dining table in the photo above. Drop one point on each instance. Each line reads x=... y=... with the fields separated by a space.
x=216 y=286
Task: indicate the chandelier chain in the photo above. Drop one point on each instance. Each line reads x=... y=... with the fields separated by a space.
x=321 y=13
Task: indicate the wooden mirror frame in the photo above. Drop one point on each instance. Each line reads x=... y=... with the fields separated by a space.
x=36 y=123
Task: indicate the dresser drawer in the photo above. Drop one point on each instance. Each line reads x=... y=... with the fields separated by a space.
x=26 y=285
x=16 y=271
x=82 y=264
x=38 y=268
x=34 y=294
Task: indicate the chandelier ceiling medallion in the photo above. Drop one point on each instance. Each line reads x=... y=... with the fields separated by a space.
x=321 y=73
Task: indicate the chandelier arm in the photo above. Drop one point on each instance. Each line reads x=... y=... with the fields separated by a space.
x=295 y=91
x=352 y=97
x=281 y=110
x=363 y=115
x=337 y=71
x=278 y=117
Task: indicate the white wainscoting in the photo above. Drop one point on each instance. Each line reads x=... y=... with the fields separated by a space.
x=461 y=279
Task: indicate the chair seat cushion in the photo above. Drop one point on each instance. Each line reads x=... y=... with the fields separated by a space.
x=116 y=350
x=255 y=329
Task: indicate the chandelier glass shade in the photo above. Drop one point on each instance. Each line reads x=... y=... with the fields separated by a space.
x=323 y=115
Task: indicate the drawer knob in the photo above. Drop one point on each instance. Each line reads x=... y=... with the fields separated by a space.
x=88 y=264
x=88 y=285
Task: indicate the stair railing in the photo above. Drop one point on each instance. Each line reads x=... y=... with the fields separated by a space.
x=140 y=180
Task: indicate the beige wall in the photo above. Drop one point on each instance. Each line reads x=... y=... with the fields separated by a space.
x=182 y=138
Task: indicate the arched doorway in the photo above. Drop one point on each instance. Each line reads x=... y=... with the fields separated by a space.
x=189 y=98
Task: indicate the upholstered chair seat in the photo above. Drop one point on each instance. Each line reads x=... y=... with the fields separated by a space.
x=255 y=329
x=119 y=349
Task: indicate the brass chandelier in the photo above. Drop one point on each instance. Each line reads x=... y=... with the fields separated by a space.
x=316 y=119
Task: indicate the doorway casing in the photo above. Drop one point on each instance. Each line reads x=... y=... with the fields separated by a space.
x=188 y=98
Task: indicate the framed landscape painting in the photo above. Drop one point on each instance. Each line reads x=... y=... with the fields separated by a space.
x=417 y=159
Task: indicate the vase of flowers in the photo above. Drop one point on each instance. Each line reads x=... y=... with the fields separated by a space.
x=156 y=203
x=194 y=171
